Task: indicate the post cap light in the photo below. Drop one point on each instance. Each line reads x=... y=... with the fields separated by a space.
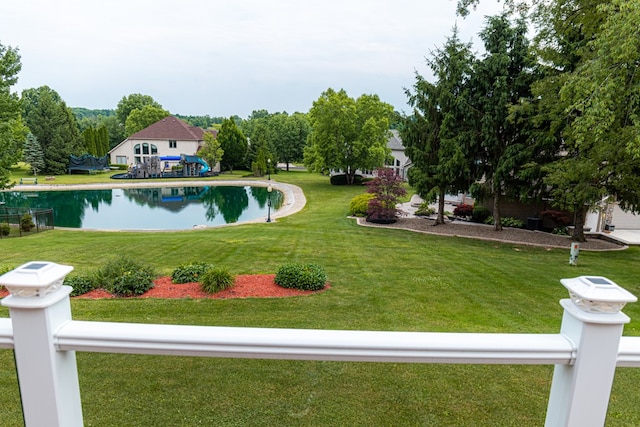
x=597 y=294
x=35 y=279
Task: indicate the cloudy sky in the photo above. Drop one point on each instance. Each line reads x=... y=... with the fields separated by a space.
x=221 y=58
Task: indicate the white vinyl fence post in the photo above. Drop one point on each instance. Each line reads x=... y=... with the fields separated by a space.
x=592 y=321
x=39 y=305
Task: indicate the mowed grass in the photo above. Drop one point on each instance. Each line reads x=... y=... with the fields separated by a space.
x=381 y=279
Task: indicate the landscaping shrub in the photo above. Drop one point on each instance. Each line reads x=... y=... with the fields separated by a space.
x=191 y=272
x=26 y=222
x=479 y=214
x=359 y=204
x=387 y=188
x=306 y=277
x=5 y=229
x=342 y=179
x=80 y=284
x=463 y=211
x=506 y=221
x=125 y=277
x=216 y=280
x=425 y=209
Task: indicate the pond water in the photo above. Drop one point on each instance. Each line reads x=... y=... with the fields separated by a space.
x=162 y=208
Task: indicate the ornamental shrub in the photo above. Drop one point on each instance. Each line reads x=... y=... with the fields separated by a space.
x=342 y=179
x=192 y=272
x=216 y=280
x=463 y=210
x=479 y=214
x=359 y=204
x=5 y=229
x=26 y=222
x=387 y=188
x=125 y=277
x=306 y=277
x=425 y=209
x=80 y=284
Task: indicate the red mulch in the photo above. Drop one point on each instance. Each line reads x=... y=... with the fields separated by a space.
x=246 y=286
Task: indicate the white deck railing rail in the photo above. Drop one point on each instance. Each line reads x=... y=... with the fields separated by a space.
x=585 y=353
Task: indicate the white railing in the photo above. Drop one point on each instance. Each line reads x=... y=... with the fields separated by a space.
x=45 y=338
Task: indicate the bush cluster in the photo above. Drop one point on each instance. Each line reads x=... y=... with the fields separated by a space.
x=81 y=284
x=425 y=210
x=480 y=214
x=342 y=179
x=187 y=273
x=507 y=221
x=5 y=229
x=125 y=277
x=215 y=280
x=306 y=277
x=359 y=204
x=463 y=210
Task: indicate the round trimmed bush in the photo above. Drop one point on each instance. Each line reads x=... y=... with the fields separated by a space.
x=216 y=280
x=306 y=277
x=480 y=214
x=187 y=273
x=5 y=229
x=359 y=204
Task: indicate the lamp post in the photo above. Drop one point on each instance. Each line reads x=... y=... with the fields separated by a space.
x=269 y=190
x=269 y=168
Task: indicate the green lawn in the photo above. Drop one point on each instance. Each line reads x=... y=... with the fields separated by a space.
x=381 y=279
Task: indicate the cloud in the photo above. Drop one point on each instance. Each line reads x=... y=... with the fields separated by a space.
x=224 y=58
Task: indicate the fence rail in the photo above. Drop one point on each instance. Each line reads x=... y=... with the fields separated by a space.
x=11 y=221
x=45 y=338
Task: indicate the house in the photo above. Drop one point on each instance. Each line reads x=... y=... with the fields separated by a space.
x=169 y=137
x=399 y=161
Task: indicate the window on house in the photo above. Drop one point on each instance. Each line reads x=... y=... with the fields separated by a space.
x=145 y=148
x=121 y=160
x=154 y=149
x=136 y=149
x=173 y=144
x=138 y=159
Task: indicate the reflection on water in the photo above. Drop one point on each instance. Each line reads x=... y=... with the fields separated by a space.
x=166 y=208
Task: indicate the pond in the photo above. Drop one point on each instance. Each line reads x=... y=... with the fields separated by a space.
x=162 y=208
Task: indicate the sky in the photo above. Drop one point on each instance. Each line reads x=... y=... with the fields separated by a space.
x=223 y=58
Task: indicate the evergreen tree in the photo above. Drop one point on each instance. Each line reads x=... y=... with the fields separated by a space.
x=33 y=154
x=89 y=136
x=438 y=133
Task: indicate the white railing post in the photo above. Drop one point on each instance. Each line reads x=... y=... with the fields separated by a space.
x=39 y=305
x=593 y=322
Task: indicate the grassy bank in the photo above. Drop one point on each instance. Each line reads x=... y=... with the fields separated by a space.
x=380 y=280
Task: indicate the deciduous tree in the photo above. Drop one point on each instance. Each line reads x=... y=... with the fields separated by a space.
x=55 y=127
x=211 y=151
x=129 y=103
x=140 y=118
x=348 y=134
x=12 y=130
x=234 y=144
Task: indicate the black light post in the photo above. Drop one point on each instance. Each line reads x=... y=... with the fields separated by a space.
x=269 y=168
x=269 y=189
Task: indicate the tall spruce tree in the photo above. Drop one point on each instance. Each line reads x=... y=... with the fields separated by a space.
x=501 y=80
x=33 y=154
x=233 y=143
x=437 y=135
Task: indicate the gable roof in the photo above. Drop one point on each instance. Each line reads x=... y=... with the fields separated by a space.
x=394 y=142
x=170 y=128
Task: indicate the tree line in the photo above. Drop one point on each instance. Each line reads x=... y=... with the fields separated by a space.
x=554 y=118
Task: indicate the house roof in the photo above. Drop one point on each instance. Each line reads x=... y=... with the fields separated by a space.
x=394 y=142
x=170 y=128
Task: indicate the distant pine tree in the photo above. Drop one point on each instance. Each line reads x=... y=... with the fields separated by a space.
x=33 y=154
